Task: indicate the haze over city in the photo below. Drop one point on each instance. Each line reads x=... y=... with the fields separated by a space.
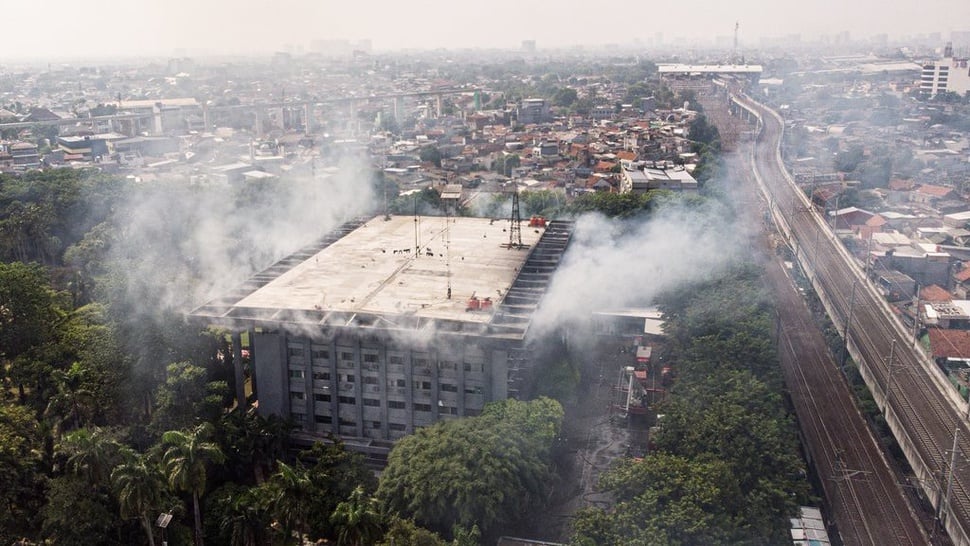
x=484 y=274
x=103 y=28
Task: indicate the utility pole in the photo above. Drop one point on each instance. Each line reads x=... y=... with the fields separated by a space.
x=916 y=317
x=845 y=327
x=889 y=382
x=945 y=504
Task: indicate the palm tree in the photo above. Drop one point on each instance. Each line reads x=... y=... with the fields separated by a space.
x=138 y=485
x=290 y=488
x=358 y=520
x=72 y=402
x=90 y=453
x=185 y=456
x=244 y=517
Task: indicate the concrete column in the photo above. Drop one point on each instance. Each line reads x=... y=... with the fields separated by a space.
x=435 y=387
x=334 y=388
x=409 y=384
x=237 y=365
x=382 y=378
x=359 y=387
x=157 y=120
x=311 y=420
x=461 y=384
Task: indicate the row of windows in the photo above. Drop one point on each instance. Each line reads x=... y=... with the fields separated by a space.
x=372 y=380
x=328 y=420
x=396 y=384
x=347 y=359
x=371 y=402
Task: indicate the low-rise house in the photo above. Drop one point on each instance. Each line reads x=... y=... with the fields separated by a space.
x=24 y=156
x=930 y=194
x=648 y=178
x=849 y=218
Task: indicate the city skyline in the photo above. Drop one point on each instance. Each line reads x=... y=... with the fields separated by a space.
x=102 y=28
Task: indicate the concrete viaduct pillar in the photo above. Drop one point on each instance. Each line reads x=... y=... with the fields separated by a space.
x=237 y=368
x=353 y=117
x=306 y=119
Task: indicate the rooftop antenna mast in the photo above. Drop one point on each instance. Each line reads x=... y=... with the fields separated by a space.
x=417 y=242
x=448 y=251
x=515 y=223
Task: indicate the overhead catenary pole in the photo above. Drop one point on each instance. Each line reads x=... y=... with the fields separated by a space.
x=845 y=327
x=889 y=382
x=945 y=505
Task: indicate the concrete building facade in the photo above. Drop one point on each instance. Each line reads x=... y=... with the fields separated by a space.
x=949 y=74
x=388 y=325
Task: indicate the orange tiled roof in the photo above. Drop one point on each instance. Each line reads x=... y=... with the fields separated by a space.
x=934 y=292
x=897 y=184
x=604 y=166
x=949 y=343
x=964 y=274
x=935 y=191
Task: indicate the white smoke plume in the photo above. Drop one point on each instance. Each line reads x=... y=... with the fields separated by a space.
x=614 y=264
x=181 y=244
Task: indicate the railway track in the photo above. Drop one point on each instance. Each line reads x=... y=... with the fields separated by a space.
x=926 y=417
x=863 y=496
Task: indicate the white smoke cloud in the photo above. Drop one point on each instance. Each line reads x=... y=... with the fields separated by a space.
x=613 y=264
x=182 y=244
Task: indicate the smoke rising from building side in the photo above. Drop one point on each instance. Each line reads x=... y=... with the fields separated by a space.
x=613 y=264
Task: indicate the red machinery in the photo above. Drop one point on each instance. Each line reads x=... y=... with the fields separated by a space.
x=476 y=304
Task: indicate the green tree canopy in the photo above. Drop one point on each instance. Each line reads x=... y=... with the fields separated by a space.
x=358 y=519
x=21 y=458
x=614 y=205
x=29 y=309
x=663 y=499
x=430 y=154
x=139 y=485
x=186 y=456
x=483 y=470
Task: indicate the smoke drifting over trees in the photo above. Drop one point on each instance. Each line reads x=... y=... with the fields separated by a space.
x=182 y=244
x=612 y=263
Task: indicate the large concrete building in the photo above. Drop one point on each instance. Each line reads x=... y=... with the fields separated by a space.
x=391 y=324
x=949 y=74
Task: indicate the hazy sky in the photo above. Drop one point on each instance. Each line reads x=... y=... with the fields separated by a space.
x=135 y=27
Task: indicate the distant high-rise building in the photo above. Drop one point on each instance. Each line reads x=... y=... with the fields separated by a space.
x=529 y=46
x=532 y=111
x=961 y=42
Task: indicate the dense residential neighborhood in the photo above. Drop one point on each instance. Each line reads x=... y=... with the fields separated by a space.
x=340 y=295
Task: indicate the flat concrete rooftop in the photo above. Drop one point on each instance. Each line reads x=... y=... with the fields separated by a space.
x=376 y=269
